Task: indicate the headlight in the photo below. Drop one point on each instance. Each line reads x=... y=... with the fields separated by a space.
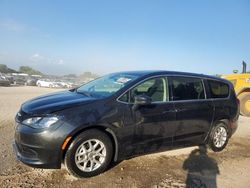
x=41 y=122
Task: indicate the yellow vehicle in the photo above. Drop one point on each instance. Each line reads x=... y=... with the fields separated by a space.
x=241 y=84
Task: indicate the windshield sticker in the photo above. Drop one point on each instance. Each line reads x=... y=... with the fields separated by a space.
x=123 y=80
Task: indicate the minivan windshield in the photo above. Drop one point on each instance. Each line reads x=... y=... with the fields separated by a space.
x=106 y=86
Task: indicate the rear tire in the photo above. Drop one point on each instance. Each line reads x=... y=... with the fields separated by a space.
x=245 y=104
x=219 y=137
x=85 y=158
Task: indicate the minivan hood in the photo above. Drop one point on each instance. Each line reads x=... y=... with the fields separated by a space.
x=55 y=102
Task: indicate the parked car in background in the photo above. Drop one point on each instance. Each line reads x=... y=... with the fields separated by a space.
x=10 y=78
x=76 y=84
x=122 y=115
x=46 y=83
x=64 y=83
x=31 y=81
x=4 y=81
x=19 y=80
x=54 y=83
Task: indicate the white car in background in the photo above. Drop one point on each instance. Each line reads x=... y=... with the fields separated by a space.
x=63 y=83
x=46 y=83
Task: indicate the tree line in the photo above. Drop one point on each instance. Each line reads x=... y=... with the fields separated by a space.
x=29 y=70
x=22 y=69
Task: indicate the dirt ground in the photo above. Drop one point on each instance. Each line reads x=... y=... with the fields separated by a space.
x=201 y=167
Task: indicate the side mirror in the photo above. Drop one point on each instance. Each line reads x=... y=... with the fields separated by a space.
x=141 y=100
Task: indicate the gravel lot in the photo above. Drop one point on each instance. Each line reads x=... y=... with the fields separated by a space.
x=230 y=168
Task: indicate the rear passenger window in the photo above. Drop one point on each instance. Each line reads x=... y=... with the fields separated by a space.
x=187 y=88
x=218 y=89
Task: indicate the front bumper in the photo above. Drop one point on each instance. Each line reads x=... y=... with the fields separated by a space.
x=39 y=148
x=33 y=161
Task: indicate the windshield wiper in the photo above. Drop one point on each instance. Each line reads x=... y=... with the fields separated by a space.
x=88 y=94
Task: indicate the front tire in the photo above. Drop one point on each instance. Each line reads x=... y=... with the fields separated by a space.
x=89 y=154
x=219 y=137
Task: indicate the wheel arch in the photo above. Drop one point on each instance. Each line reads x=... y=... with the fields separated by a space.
x=109 y=132
x=223 y=120
x=226 y=122
x=210 y=141
x=243 y=90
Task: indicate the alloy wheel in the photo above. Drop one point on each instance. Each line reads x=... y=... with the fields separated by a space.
x=220 y=137
x=90 y=155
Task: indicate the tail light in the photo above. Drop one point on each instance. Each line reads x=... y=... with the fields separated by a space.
x=238 y=110
x=238 y=101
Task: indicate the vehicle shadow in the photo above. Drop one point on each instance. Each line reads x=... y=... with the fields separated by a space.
x=201 y=169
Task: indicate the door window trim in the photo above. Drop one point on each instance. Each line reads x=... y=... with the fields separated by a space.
x=144 y=80
x=204 y=79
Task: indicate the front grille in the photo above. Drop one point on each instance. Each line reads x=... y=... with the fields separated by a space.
x=25 y=151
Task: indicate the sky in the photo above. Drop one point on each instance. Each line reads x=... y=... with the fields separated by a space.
x=63 y=37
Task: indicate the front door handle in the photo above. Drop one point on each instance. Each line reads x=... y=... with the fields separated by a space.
x=170 y=111
x=181 y=110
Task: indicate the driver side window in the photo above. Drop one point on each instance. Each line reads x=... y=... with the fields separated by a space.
x=155 y=88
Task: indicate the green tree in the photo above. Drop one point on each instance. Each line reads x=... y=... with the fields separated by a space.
x=29 y=70
x=5 y=69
